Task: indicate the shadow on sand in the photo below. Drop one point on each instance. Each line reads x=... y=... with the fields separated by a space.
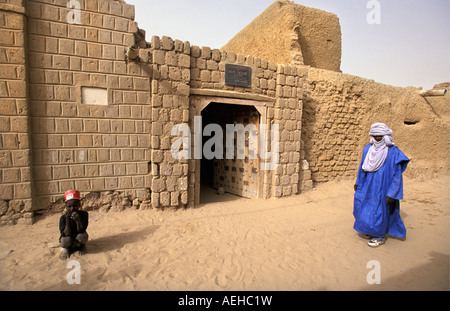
x=118 y=240
x=432 y=276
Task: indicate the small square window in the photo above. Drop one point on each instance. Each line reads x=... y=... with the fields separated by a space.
x=94 y=96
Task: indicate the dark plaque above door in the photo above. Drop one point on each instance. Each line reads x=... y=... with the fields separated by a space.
x=236 y=75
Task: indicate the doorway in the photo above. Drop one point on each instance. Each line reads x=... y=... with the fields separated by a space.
x=237 y=174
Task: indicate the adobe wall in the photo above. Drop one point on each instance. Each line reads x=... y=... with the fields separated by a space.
x=339 y=110
x=289 y=33
x=182 y=76
x=15 y=152
x=79 y=145
x=55 y=137
x=74 y=144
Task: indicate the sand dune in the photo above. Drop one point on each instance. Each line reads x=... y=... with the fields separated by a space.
x=304 y=242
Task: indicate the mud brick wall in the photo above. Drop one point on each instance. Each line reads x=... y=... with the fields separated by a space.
x=290 y=177
x=170 y=63
x=334 y=115
x=180 y=74
x=15 y=152
x=283 y=85
x=208 y=71
x=55 y=138
x=339 y=110
x=77 y=144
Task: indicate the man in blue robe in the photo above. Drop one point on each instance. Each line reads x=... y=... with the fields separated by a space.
x=379 y=187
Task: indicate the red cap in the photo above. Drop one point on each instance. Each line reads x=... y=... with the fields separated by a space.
x=72 y=194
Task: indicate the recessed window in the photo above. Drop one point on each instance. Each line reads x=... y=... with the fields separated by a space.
x=409 y=122
x=94 y=96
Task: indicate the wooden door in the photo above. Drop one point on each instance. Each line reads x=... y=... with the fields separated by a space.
x=240 y=176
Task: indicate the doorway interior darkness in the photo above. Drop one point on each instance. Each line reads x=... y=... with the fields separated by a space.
x=236 y=176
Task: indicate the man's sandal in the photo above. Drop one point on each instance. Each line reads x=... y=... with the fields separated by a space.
x=376 y=242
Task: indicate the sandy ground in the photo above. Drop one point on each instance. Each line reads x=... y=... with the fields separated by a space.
x=304 y=242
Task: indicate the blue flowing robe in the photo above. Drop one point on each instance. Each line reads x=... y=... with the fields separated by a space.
x=373 y=215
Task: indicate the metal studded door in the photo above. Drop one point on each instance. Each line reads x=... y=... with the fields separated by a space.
x=240 y=176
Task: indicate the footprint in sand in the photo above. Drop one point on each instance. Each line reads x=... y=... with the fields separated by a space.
x=221 y=280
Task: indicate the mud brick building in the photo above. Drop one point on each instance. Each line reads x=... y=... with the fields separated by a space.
x=87 y=102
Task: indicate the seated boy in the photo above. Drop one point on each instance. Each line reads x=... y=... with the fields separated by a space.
x=73 y=225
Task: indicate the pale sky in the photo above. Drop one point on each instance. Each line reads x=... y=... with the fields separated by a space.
x=410 y=46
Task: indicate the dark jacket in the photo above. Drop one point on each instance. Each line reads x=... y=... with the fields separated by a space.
x=84 y=216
